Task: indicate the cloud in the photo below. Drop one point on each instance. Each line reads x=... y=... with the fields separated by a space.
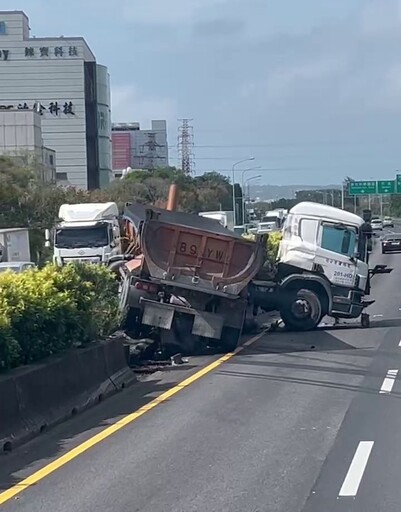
x=129 y=104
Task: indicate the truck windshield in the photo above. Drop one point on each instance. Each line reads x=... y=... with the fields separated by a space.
x=72 y=238
x=339 y=239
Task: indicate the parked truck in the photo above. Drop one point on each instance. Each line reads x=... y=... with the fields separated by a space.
x=322 y=268
x=88 y=232
x=186 y=276
x=14 y=245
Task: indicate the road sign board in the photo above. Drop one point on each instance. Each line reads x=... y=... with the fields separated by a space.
x=386 y=187
x=398 y=184
x=361 y=188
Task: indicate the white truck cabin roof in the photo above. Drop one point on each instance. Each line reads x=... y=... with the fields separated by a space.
x=89 y=212
x=326 y=212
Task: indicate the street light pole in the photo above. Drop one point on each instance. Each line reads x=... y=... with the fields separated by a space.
x=233 y=171
x=243 y=187
x=251 y=179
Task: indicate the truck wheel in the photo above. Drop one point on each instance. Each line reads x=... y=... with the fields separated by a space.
x=302 y=311
x=180 y=338
x=230 y=337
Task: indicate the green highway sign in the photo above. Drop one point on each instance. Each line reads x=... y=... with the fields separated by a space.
x=386 y=187
x=360 y=188
x=398 y=184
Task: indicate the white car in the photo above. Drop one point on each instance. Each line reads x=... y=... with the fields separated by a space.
x=377 y=224
x=388 y=222
x=16 y=266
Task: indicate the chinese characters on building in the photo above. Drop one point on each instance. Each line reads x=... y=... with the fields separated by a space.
x=4 y=54
x=46 y=51
x=54 y=108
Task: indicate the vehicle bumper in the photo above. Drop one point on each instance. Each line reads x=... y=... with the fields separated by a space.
x=205 y=324
x=391 y=248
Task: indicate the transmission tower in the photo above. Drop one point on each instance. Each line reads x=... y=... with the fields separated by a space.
x=152 y=151
x=185 y=146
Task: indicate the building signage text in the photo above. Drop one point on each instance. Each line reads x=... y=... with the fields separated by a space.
x=43 y=52
x=54 y=107
x=46 y=51
x=4 y=54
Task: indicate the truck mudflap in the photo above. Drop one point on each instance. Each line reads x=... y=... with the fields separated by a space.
x=161 y=315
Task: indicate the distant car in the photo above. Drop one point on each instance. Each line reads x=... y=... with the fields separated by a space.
x=377 y=224
x=391 y=243
x=16 y=266
x=388 y=222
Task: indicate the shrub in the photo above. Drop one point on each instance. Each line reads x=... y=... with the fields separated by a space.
x=273 y=244
x=43 y=312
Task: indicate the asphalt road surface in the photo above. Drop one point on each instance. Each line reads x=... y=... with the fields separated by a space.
x=294 y=422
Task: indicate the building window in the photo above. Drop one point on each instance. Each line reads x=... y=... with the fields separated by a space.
x=2 y=28
x=51 y=159
x=61 y=176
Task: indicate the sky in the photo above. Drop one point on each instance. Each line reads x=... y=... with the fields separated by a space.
x=310 y=88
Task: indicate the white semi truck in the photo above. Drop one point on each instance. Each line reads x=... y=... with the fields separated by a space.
x=322 y=268
x=87 y=232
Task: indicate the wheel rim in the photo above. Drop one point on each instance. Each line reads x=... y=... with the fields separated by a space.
x=301 y=309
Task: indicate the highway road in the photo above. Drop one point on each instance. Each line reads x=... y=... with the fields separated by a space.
x=295 y=422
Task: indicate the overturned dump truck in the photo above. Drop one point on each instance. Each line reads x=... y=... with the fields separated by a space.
x=185 y=276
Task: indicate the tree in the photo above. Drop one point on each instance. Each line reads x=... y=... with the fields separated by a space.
x=25 y=201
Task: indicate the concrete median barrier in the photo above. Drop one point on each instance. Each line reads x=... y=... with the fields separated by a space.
x=34 y=398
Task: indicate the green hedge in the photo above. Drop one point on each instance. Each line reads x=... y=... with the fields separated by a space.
x=43 y=312
x=273 y=244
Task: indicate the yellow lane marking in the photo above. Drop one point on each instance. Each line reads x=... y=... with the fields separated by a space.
x=115 y=427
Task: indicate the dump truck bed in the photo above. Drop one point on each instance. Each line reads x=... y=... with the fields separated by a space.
x=198 y=253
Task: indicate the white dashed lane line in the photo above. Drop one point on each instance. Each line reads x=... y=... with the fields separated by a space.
x=356 y=470
x=389 y=381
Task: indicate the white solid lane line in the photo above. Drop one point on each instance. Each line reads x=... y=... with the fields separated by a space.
x=388 y=382
x=355 y=473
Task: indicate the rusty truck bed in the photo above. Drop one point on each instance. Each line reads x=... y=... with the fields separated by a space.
x=205 y=256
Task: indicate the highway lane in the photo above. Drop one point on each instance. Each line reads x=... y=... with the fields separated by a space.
x=273 y=429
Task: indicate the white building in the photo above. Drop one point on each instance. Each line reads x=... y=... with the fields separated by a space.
x=21 y=138
x=61 y=79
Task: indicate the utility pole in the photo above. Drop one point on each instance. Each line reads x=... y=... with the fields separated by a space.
x=185 y=146
x=342 y=196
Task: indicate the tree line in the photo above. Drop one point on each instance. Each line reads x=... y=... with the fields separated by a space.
x=25 y=201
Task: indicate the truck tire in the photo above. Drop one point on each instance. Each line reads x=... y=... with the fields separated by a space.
x=302 y=310
x=179 y=339
x=230 y=338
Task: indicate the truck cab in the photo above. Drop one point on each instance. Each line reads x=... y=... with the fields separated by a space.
x=322 y=266
x=87 y=233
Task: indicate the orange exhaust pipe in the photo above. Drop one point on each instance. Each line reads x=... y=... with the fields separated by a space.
x=172 y=200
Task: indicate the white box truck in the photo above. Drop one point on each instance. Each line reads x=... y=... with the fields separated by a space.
x=226 y=218
x=14 y=245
